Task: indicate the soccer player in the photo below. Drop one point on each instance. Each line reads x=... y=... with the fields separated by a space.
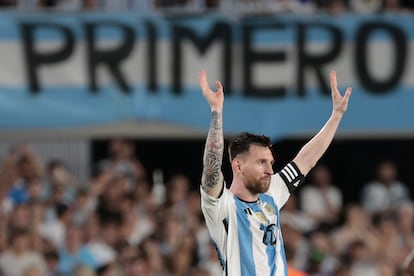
x=243 y=221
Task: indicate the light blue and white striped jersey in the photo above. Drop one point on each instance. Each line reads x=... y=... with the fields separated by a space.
x=247 y=235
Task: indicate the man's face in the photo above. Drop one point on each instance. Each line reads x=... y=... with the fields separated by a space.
x=21 y=244
x=256 y=168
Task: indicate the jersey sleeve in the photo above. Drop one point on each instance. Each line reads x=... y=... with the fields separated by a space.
x=215 y=209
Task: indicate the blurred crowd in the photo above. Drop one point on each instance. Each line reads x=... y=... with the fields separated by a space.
x=119 y=223
x=127 y=221
x=371 y=236
x=248 y=6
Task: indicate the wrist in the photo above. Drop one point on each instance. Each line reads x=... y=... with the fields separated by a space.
x=337 y=115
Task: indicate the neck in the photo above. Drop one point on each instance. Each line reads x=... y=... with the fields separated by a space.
x=242 y=193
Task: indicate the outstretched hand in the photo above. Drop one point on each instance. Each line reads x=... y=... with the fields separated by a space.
x=214 y=99
x=339 y=102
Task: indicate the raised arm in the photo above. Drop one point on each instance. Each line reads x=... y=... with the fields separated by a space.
x=212 y=177
x=312 y=151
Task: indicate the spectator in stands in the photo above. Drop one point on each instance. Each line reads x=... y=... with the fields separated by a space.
x=180 y=262
x=58 y=176
x=322 y=253
x=83 y=270
x=20 y=217
x=172 y=233
x=110 y=269
x=74 y=252
x=97 y=246
x=296 y=217
x=27 y=167
x=34 y=189
x=368 y=6
x=178 y=188
x=152 y=253
x=135 y=226
x=54 y=230
x=83 y=206
x=321 y=200
x=6 y=203
x=357 y=226
x=33 y=271
x=145 y=200
x=91 y=5
x=386 y=193
x=123 y=159
x=290 y=259
x=111 y=231
x=125 y=252
x=295 y=238
x=391 y=6
x=389 y=246
x=362 y=262
x=333 y=7
x=405 y=224
x=211 y=264
x=36 y=213
x=51 y=257
x=108 y=207
x=18 y=258
x=136 y=266
x=195 y=223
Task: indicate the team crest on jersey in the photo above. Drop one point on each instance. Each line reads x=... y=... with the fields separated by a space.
x=261 y=217
x=269 y=209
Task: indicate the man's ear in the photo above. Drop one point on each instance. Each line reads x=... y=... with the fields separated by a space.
x=236 y=164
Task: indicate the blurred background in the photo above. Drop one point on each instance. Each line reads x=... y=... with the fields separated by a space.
x=102 y=130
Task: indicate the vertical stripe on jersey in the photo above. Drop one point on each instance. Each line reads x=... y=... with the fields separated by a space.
x=247 y=266
x=282 y=246
x=271 y=249
x=220 y=257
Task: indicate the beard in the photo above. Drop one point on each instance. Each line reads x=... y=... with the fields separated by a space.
x=260 y=186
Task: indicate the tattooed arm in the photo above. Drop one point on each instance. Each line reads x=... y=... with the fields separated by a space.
x=212 y=177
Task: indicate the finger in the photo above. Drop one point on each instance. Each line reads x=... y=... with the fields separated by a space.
x=219 y=86
x=203 y=80
x=334 y=86
x=348 y=93
x=346 y=97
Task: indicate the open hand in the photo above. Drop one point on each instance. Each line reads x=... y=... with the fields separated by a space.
x=339 y=102
x=214 y=99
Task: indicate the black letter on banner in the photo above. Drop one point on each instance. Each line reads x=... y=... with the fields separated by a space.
x=400 y=52
x=316 y=61
x=35 y=58
x=220 y=31
x=251 y=57
x=111 y=57
x=152 y=57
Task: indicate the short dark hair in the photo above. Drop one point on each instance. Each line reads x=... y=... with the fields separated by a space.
x=242 y=143
x=18 y=232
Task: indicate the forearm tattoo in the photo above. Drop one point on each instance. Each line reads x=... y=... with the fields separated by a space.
x=213 y=154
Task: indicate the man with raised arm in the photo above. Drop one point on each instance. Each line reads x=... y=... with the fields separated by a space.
x=243 y=221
